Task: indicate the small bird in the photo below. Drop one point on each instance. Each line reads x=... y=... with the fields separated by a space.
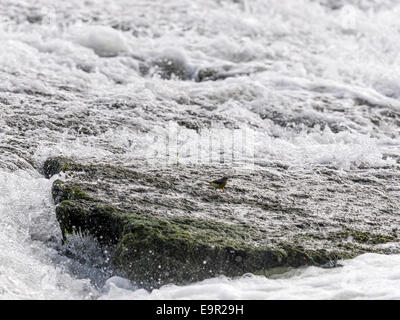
x=219 y=184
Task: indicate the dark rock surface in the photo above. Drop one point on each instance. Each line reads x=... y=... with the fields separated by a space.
x=169 y=225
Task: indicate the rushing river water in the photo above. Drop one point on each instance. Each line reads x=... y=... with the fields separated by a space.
x=308 y=83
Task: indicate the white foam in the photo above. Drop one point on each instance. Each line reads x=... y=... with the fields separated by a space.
x=26 y=271
x=105 y=41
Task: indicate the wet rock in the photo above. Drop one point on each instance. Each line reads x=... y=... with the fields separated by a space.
x=169 y=64
x=207 y=74
x=34 y=19
x=172 y=64
x=55 y=165
x=170 y=226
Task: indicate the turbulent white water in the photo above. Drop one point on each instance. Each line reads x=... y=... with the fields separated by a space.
x=307 y=72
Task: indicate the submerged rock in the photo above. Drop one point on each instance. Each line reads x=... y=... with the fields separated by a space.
x=173 y=64
x=169 y=64
x=169 y=226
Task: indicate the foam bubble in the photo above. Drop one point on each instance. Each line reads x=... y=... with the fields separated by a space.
x=105 y=41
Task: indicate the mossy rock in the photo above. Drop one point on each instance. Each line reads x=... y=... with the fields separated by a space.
x=82 y=216
x=116 y=207
x=56 y=165
x=368 y=237
x=67 y=191
x=155 y=251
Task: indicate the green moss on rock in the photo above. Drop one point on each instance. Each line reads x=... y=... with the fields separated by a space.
x=55 y=165
x=368 y=237
x=160 y=251
x=155 y=249
x=158 y=255
x=68 y=191
x=356 y=237
x=103 y=222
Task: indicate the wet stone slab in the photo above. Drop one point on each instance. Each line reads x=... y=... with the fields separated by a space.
x=169 y=225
